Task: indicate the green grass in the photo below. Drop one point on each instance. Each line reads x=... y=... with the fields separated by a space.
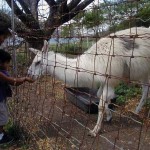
x=16 y=132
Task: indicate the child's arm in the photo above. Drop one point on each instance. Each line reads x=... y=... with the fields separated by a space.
x=15 y=81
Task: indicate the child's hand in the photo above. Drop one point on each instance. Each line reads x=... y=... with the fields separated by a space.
x=30 y=80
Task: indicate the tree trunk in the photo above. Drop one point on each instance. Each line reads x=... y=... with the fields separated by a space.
x=37 y=44
x=60 y=11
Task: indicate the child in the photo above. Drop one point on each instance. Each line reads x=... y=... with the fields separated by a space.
x=4 y=34
x=5 y=91
x=5 y=24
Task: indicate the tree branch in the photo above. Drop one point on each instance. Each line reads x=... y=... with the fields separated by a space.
x=81 y=6
x=28 y=20
x=33 y=7
x=63 y=8
x=76 y=10
x=59 y=1
x=57 y=18
x=73 y=4
x=24 y=6
x=51 y=3
x=5 y=23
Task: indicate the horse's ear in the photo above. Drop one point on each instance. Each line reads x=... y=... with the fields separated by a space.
x=35 y=51
x=45 y=47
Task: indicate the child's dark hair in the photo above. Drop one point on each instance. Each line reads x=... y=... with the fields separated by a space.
x=5 y=23
x=5 y=32
x=4 y=56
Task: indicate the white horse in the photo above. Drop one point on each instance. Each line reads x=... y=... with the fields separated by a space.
x=123 y=56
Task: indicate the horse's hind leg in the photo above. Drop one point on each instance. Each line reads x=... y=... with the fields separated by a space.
x=145 y=89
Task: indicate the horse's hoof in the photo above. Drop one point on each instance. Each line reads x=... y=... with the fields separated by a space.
x=137 y=111
x=92 y=134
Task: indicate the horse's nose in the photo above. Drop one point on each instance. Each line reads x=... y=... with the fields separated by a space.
x=34 y=77
x=29 y=73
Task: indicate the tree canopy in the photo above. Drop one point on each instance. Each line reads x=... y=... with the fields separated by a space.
x=117 y=14
x=60 y=11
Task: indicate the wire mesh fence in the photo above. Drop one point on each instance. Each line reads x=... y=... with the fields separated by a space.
x=103 y=61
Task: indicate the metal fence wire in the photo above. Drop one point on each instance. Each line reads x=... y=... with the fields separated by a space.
x=105 y=56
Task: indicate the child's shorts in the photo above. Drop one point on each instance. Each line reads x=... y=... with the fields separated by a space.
x=4 y=115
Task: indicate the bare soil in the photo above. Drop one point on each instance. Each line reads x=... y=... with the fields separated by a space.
x=53 y=122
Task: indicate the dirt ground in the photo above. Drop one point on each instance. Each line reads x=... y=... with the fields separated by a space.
x=54 y=123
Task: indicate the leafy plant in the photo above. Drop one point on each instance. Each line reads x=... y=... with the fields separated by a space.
x=147 y=104
x=93 y=18
x=19 y=134
x=125 y=92
x=71 y=48
x=21 y=59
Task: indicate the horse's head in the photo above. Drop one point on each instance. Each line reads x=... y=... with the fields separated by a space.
x=38 y=66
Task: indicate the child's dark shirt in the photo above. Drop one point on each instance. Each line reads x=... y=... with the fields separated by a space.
x=5 y=89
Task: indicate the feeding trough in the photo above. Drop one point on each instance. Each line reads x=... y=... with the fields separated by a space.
x=84 y=98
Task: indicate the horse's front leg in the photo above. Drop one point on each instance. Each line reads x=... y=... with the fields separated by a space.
x=101 y=111
x=107 y=95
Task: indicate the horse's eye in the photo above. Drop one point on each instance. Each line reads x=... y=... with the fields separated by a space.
x=37 y=63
